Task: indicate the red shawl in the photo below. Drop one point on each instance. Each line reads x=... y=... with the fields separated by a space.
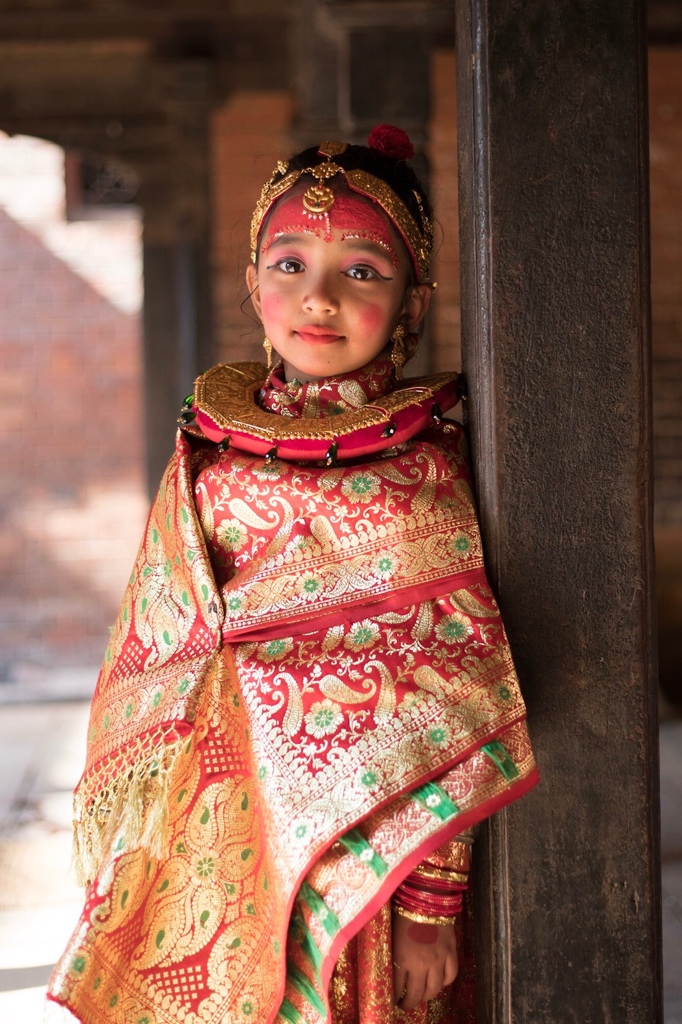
x=308 y=690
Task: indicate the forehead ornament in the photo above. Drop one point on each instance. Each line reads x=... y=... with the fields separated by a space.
x=319 y=198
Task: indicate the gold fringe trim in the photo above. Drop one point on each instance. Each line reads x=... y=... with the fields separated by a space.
x=130 y=810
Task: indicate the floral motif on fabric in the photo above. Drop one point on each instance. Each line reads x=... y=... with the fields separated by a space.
x=311 y=540
x=201 y=934
x=371 y=658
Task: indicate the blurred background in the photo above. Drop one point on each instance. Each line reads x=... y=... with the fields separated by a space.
x=134 y=140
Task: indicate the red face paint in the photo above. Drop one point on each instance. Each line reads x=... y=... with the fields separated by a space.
x=371 y=318
x=272 y=306
x=425 y=934
x=352 y=216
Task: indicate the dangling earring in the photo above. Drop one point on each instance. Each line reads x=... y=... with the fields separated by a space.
x=398 y=353
x=268 y=352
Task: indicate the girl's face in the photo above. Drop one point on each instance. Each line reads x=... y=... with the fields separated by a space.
x=330 y=291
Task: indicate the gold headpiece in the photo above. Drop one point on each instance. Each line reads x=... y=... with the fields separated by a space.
x=318 y=199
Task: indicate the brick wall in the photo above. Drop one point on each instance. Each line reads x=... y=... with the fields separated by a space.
x=71 y=494
x=250 y=134
x=442 y=154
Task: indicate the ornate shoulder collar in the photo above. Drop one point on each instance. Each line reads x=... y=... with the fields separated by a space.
x=224 y=409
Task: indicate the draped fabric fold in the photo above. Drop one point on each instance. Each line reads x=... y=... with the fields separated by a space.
x=307 y=691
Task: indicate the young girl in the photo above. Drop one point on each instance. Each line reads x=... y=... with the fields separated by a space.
x=308 y=699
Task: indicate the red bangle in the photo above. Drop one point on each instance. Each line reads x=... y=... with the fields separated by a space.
x=441 y=908
x=436 y=894
x=417 y=898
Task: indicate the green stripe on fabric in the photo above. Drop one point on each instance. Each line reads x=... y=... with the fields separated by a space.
x=355 y=843
x=302 y=935
x=434 y=798
x=498 y=753
x=307 y=989
x=324 y=914
x=288 y=1011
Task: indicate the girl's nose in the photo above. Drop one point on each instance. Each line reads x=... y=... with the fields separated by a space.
x=321 y=296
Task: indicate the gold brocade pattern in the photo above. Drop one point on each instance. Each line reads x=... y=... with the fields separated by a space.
x=347 y=886
x=226 y=393
x=159 y=652
x=175 y=939
x=367 y=723
x=199 y=936
x=316 y=544
x=229 y=782
x=451 y=856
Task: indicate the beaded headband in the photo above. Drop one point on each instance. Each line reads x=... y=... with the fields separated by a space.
x=319 y=198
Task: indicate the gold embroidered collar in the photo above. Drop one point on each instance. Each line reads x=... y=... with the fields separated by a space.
x=225 y=409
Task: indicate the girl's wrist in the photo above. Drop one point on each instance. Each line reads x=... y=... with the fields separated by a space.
x=431 y=895
x=412 y=915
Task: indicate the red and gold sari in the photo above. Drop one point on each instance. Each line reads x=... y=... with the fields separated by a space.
x=307 y=692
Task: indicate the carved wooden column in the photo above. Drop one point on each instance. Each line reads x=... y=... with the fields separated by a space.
x=554 y=225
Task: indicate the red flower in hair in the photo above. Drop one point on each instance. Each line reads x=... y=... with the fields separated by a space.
x=391 y=141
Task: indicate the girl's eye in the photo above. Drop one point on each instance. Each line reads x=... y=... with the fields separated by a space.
x=360 y=272
x=288 y=265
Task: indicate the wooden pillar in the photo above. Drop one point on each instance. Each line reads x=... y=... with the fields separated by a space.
x=553 y=206
x=179 y=340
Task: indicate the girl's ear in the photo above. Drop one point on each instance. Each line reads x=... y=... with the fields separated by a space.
x=416 y=304
x=252 y=285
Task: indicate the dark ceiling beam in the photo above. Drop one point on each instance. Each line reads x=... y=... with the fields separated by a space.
x=665 y=22
x=97 y=14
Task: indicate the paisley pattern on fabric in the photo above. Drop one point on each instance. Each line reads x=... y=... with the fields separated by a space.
x=314 y=544
x=167 y=629
x=262 y=775
x=201 y=934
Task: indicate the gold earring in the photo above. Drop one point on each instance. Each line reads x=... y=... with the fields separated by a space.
x=398 y=353
x=268 y=352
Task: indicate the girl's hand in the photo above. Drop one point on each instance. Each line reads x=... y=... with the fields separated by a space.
x=424 y=960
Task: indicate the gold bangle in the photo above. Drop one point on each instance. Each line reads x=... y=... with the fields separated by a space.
x=422 y=918
x=427 y=871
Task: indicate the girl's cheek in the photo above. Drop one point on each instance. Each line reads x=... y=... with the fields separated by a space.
x=373 y=319
x=272 y=306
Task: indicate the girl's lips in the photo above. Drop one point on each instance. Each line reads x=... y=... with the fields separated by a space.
x=317 y=334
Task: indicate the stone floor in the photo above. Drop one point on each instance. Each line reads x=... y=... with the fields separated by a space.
x=41 y=756
x=42 y=749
